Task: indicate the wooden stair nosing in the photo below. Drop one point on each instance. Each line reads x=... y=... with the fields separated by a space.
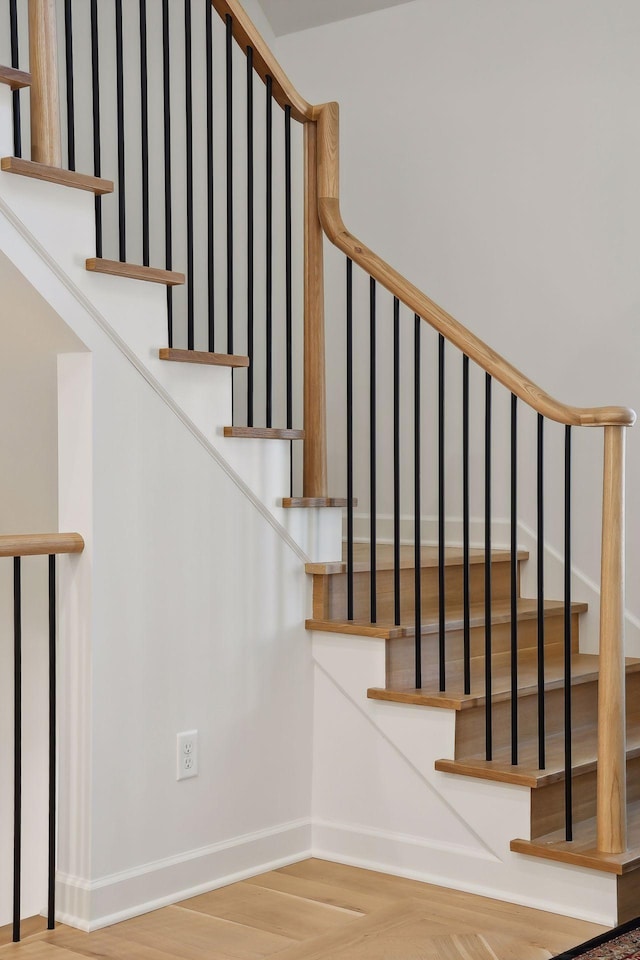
x=134 y=271
x=293 y=503
x=453 y=559
x=584 y=670
x=503 y=772
x=527 y=610
x=65 y=178
x=582 y=851
x=264 y=433
x=16 y=79
x=203 y=357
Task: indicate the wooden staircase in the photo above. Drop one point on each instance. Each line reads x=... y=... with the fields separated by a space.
x=547 y=786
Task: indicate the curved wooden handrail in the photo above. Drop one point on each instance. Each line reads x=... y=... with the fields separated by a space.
x=40 y=544
x=265 y=64
x=327 y=116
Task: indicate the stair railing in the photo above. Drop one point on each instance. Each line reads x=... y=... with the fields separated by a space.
x=322 y=214
x=16 y=547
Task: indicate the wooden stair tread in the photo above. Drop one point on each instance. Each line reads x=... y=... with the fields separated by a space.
x=202 y=357
x=134 y=271
x=581 y=851
x=584 y=669
x=293 y=503
x=584 y=759
x=429 y=557
x=264 y=433
x=16 y=79
x=500 y=613
x=66 y=178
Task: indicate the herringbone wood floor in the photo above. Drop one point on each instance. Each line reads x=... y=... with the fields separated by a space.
x=316 y=910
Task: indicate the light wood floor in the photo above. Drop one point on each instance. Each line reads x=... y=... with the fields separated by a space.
x=316 y=910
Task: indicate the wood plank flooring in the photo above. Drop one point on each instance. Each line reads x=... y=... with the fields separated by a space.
x=316 y=910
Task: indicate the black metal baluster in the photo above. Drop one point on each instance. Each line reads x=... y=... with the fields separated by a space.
x=514 y=579
x=17 y=747
x=288 y=280
x=168 y=220
x=466 y=599
x=269 y=251
x=488 y=685
x=568 y=782
x=417 y=507
x=71 y=120
x=51 y=911
x=349 y=439
x=188 y=86
x=229 y=64
x=210 y=182
x=122 y=192
x=372 y=453
x=541 y=716
x=396 y=461
x=441 y=516
x=15 y=63
x=95 y=91
x=250 y=234
x=144 y=128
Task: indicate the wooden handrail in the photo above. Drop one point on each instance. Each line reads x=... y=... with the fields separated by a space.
x=40 y=544
x=505 y=373
x=265 y=64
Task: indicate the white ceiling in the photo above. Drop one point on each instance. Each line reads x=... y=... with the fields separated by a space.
x=289 y=16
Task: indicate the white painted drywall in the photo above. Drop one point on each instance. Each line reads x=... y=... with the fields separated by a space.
x=289 y=16
x=488 y=152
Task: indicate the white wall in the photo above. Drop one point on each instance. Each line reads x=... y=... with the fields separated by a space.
x=32 y=335
x=186 y=609
x=488 y=152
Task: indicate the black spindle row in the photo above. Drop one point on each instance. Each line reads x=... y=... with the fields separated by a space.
x=158 y=191
x=17 y=746
x=434 y=665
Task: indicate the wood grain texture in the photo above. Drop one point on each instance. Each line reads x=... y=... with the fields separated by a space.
x=65 y=178
x=264 y=433
x=201 y=356
x=307 y=503
x=134 y=271
x=46 y=144
x=505 y=373
x=40 y=544
x=314 y=482
x=16 y=79
x=265 y=64
x=611 y=696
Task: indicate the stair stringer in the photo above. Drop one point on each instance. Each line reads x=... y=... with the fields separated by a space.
x=468 y=825
x=59 y=224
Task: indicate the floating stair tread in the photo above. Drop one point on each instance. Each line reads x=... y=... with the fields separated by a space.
x=293 y=503
x=500 y=613
x=584 y=669
x=202 y=357
x=134 y=271
x=16 y=79
x=66 y=178
x=526 y=773
x=264 y=433
x=384 y=558
x=582 y=851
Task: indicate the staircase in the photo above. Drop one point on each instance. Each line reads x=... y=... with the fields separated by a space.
x=525 y=706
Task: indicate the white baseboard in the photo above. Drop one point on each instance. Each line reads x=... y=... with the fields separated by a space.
x=401 y=856
x=91 y=905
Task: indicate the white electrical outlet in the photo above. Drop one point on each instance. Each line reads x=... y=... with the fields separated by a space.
x=187 y=755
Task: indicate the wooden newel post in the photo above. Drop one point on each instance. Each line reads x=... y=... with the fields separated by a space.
x=315 y=402
x=611 y=778
x=43 y=64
